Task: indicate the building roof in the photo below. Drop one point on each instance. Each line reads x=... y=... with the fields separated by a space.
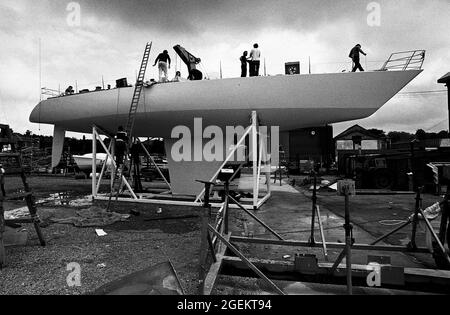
x=358 y=130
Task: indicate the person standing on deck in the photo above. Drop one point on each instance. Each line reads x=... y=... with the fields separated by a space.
x=244 y=64
x=255 y=56
x=2 y=180
x=354 y=55
x=163 y=60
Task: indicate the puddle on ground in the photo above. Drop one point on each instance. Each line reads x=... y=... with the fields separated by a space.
x=327 y=220
x=66 y=199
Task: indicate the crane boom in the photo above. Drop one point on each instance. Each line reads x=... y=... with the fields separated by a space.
x=191 y=62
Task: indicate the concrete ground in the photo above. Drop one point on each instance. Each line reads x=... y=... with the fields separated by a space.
x=288 y=212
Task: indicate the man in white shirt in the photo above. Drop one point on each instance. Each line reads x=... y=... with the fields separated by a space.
x=255 y=63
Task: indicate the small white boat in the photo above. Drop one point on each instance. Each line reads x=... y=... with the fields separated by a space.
x=84 y=162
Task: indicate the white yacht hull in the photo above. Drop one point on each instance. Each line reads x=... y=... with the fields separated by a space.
x=289 y=102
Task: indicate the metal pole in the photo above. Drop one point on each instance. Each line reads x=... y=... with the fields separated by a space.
x=227 y=208
x=314 y=205
x=448 y=100
x=265 y=68
x=348 y=243
x=412 y=244
x=268 y=228
x=322 y=234
x=413 y=168
x=255 y=159
x=204 y=239
x=94 y=162
x=390 y=233
x=246 y=261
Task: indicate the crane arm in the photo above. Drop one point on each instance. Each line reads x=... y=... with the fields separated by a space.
x=190 y=60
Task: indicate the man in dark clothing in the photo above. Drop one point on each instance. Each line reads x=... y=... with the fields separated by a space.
x=354 y=55
x=2 y=180
x=163 y=62
x=121 y=145
x=244 y=63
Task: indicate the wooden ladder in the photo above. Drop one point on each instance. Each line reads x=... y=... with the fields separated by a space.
x=29 y=198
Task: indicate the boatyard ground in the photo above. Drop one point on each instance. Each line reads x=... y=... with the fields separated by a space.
x=141 y=242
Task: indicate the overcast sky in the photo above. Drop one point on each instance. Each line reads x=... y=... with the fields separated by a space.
x=112 y=34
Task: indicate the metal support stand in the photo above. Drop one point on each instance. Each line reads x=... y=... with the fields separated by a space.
x=257 y=154
x=246 y=261
x=415 y=222
x=205 y=241
x=316 y=211
x=226 y=218
x=348 y=243
x=257 y=201
x=442 y=256
x=322 y=234
x=347 y=252
x=207 y=282
x=413 y=278
x=314 y=205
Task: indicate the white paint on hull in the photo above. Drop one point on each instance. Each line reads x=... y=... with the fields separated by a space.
x=290 y=102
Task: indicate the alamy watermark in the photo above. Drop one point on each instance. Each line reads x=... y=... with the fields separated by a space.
x=374 y=16
x=214 y=144
x=74 y=16
x=374 y=277
x=73 y=279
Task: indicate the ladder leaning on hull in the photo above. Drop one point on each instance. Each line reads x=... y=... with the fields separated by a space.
x=130 y=122
x=137 y=92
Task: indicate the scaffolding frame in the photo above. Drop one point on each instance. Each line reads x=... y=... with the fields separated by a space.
x=307 y=267
x=258 y=154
